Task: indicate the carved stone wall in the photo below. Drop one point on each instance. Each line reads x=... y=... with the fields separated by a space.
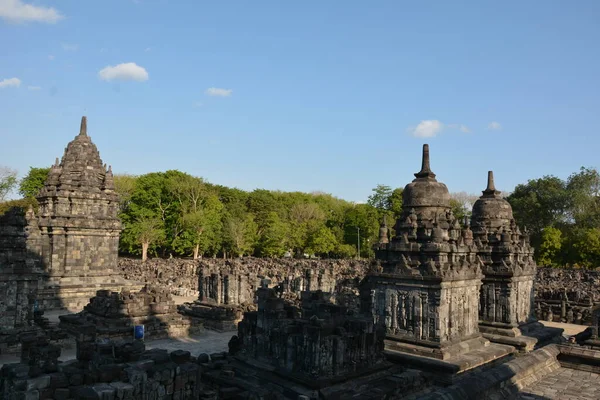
x=234 y=281
x=507 y=294
x=21 y=273
x=318 y=341
x=114 y=314
x=427 y=289
x=74 y=237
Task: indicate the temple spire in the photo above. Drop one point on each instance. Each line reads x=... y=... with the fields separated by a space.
x=425 y=167
x=83 y=129
x=383 y=231
x=490 y=190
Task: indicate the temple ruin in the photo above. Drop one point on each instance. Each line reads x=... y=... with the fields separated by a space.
x=506 y=309
x=426 y=292
x=443 y=312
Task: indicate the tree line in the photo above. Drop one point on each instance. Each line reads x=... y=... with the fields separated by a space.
x=563 y=217
x=174 y=213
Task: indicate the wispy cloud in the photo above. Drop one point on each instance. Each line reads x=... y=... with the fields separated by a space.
x=427 y=128
x=50 y=57
x=461 y=127
x=148 y=49
x=10 y=82
x=124 y=72
x=34 y=87
x=69 y=46
x=494 y=126
x=432 y=127
x=17 y=11
x=219 y=92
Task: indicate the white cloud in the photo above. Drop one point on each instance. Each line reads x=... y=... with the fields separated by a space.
x=494 y=126
x=427 y=128
x=219 y=92
x=461 y=127
x=124 y=72
x=69 y=46
x=148 y=49
x=17 y=11
x=34 y=87
x=50 y=57
x=10 y=82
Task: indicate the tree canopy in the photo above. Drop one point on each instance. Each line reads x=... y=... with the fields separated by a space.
x=563 y=217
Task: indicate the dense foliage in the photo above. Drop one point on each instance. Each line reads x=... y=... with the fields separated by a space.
x=33 y=182
x=173 y=213
x=563 y=217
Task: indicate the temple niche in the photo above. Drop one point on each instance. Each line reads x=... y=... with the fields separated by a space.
x=79 y=227
x=426 y=291
x=506 y=310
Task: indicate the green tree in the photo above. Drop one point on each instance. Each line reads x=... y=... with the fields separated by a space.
x=125 y=186
x=583 y=189
x=380 y=198
x=8 y=181
x=305 y=219
x=362 y=221
x=396 y=202
x=146 y=230
x=586 y=242
x=33 y=182
x=150 y=200
x=273 y=242
x=241 y=234
x=462 y=204
x=550 y=247
x=200 y=211
x=540 y=203
x=321 y=241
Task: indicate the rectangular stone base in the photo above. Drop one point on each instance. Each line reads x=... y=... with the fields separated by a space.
x=448 y=370
x=434 y=350
x=73 y=294
x=524 y=338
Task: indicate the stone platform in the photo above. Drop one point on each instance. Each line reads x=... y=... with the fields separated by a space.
x=114 y=315
x=552 y=372
x=525 y=338
x=221 y=318
x=449 y=369
x=74 y=293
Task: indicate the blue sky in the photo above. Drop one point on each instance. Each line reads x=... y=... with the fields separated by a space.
x=335 y=96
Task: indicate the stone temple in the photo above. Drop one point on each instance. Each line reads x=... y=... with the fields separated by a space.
x=76 y=229
x=427 y=290
x=445 y=312
x=506 y=310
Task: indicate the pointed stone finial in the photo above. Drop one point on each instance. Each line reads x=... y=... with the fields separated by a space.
x=83 y=128
x=490 y=191
x=425 y=167
x=490 y=184
x=56 y=162
x=383 y=232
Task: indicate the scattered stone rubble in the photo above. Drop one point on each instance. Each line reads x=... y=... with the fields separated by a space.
x=107 y=370
x=317 y=341
x=234 y=281
x=115 y=314
x=566 y=295
x=227 y=287
x=410 y=330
